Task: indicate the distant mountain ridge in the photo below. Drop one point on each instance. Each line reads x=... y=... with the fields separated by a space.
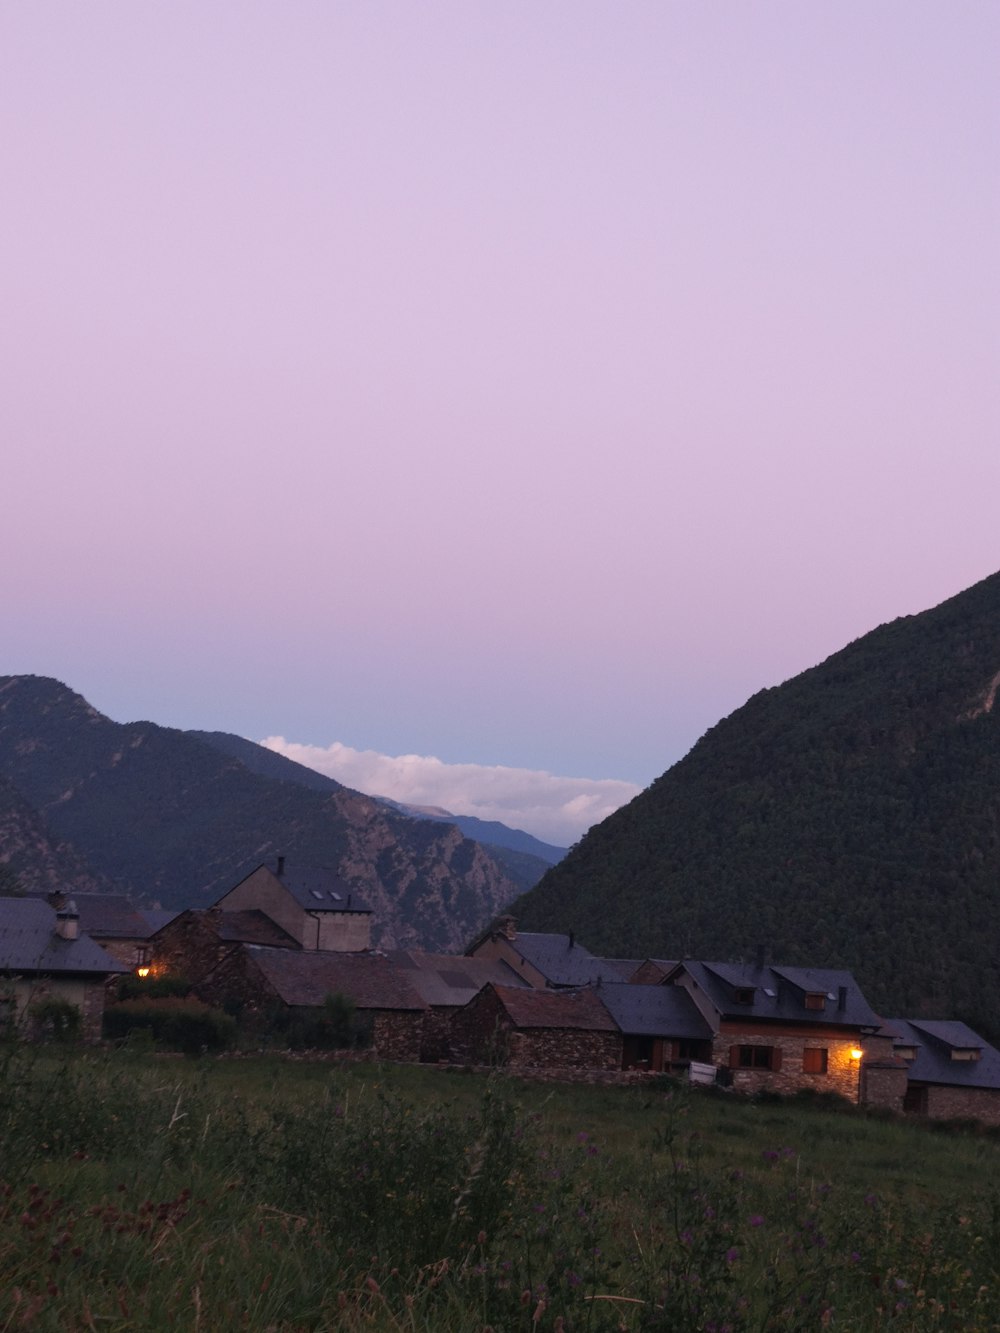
x=170 y=818
x=849 y=817
x=532 y=855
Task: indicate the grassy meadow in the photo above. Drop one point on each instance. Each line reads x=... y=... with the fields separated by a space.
x=146 y=1192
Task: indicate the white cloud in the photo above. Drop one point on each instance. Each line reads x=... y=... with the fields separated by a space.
x=557 y=810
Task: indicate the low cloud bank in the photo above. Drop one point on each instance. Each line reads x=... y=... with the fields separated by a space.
x=557 y=810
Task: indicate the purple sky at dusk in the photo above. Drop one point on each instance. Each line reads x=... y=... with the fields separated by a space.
x=519 y=385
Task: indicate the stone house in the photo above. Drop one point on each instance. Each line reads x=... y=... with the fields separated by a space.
x=256 y=980
x=783 y=1028
x=446 y=984
x=662 y=1028
x=313 y=904
x=528 y=1028
x=44 y=955
x=194 y=942
x=111 y=921
x=951 y=1072
x=543 y=960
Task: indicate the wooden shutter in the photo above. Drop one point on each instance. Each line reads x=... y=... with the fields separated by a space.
x=775 y=1059
x=734 y=1057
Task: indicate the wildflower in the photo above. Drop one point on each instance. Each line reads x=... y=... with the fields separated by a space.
x=756 y=1220
x=582 y=1137
x=732 y=1254
x=574 y=1279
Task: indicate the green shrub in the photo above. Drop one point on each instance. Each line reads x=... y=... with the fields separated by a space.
x=177 y=1024
x=133 y=987
x=56 y=1019
x=336 y=1025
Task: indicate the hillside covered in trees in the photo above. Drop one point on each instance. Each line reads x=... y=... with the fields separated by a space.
x=848 y=817
x=162 y=815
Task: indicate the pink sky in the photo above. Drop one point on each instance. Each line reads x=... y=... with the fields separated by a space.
x=516 y=384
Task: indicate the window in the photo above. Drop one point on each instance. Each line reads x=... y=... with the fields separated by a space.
x=815 y=1000
x=814 y=1060
x=744 y=995
x=755 y=1057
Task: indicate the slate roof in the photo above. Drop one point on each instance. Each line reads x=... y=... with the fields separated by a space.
x=577 y=1009
x=306 y=978
x=563 y=962
x=446 y=980
x=107 y=915
x=625 y=967
x=934 y=1042
x=29 y=944
x=779 y=993
x=251 y=926
x=654 y=1011
x=158 y=917
x=318 y=888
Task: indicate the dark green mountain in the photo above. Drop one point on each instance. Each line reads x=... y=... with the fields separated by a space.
x=849 y=817
x=524 y=857
x=170 y=819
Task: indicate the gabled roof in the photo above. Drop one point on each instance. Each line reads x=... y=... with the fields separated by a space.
x=654 y=1011
x=447 y=980
x=316 y=888
x=29 y=944
x=576 y=1009
x=777 y=994
x=625 y=967
x=934 y=1042
x=251 y=926
x=306 y=978
x=561 y=961
x=106 y=915
x=158 y=917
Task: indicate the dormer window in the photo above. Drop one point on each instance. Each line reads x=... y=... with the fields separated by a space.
x=905 y=1052
x=815 y=999
x=744 y=995
x=965 y=1052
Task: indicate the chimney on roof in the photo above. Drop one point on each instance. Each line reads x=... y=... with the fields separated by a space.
x=68 y=921
x=572 y=939
x=506 y=926
x=761 y=958
x=56 y=899
x=281 y=866
x=841 y=997
x=349 y=896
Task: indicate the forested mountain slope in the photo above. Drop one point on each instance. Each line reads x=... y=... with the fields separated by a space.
x=850 y=816
x=173 y=820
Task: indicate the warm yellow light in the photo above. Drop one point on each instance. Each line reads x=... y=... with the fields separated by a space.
x=856 y=1052
x=142 y=971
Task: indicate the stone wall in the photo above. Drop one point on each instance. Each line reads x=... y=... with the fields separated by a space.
x=435 y=1046
x=397 y=1035
x=945 y=1103
x=482 y=1033
x=883 y=1084
x=86 y=996
x=189 y=946
x=479 y=1031
x=344 y=932
x=564 y=1048
x=842 y=1073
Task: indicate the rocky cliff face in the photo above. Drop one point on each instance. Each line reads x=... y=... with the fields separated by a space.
x=30 y=854
x=173 y=820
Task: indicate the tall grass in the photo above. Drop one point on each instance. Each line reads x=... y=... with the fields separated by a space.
x=145 y=1193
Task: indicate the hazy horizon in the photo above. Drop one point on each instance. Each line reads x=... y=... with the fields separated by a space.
x=513 y=389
